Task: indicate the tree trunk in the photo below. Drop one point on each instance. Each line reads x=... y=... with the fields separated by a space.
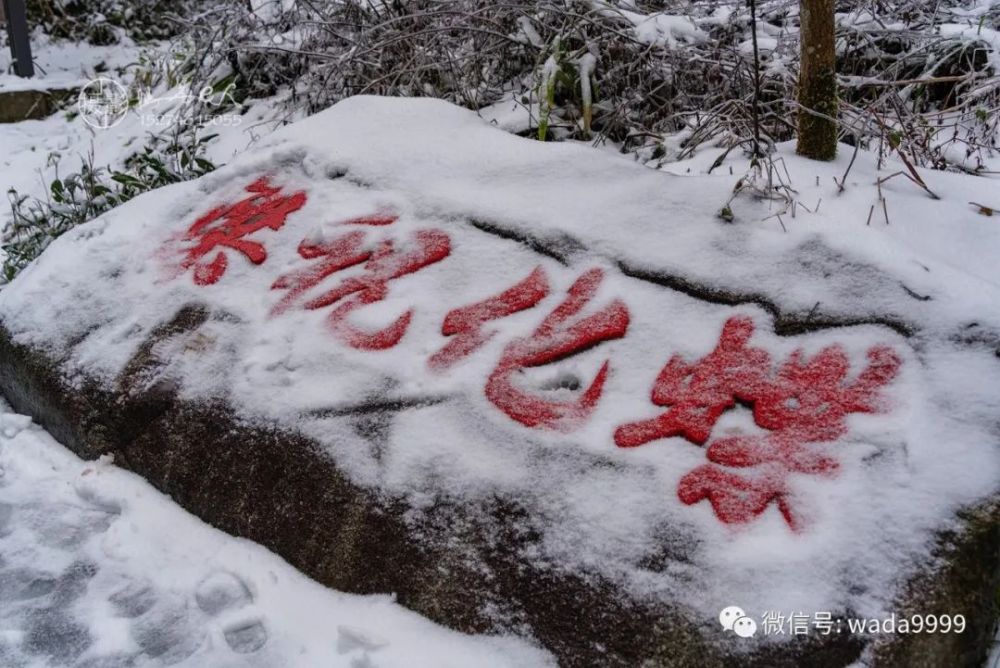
x=817 y=81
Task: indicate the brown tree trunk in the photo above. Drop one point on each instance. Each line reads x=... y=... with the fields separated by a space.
x=817 y=81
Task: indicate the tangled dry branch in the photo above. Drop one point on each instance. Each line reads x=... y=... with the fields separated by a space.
x=658 y=78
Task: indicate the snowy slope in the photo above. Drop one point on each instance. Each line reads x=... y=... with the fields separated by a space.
x=921 y=286
x=100 y=569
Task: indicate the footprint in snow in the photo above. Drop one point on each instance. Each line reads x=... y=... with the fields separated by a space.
x=133 y=600
x=169 y=631
x=245 y=637
x=66 y=526
x=222 y=592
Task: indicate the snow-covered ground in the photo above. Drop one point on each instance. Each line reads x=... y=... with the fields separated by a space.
x=66 y=64
x=98 y=569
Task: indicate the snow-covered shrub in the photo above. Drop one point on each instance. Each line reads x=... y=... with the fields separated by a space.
x=663 y=77
x=103 y=22
x=924 y=78
x=84 y=195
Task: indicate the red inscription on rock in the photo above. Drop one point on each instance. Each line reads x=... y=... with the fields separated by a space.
x=465 y=324
x=380 y=265
x=562 y=334
x=229 y=225
x=804 y=404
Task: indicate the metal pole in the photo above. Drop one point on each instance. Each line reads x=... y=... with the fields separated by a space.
x=17 y=29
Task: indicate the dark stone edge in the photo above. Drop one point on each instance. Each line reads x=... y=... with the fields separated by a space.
x=280 y=490
x=960 y=583
x=33 y=104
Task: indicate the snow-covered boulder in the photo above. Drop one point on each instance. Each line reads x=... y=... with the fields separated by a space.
x=540 y=389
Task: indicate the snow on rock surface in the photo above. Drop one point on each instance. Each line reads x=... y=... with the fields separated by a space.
x=100 y=569
x=703 y=413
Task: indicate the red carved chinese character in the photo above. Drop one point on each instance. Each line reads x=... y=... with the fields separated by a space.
x=804 y=404
x=813 y=398
x=788 y=448
x=381 y=265
x=341 y=253
x=699 y=393
x=227 y=226
x=466 y=323
x=344 y=251
x=560 y=335
x=736 y=499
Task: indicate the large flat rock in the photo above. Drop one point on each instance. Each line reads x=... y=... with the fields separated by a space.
x=540 y=390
